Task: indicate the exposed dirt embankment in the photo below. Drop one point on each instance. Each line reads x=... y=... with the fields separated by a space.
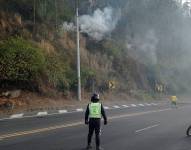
x=10 y=24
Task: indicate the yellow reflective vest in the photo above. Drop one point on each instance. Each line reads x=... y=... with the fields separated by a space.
x=173 y=98
x=95 y=110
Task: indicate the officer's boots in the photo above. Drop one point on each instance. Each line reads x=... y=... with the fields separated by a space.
x=99 y=148
x=88 y=147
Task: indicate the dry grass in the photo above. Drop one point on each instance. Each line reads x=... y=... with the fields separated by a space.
x=47 y=47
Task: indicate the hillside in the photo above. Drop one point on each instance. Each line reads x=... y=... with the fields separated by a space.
x=138 y=45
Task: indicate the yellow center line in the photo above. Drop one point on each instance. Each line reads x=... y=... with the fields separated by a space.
x=39 y=130
x=16 y=134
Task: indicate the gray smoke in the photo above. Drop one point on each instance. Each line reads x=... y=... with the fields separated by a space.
x=144 y=48
x=100 y=23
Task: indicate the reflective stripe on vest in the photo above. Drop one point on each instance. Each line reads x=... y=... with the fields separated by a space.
x=95 y=110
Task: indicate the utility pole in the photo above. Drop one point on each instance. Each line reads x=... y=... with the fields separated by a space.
x=78 y=50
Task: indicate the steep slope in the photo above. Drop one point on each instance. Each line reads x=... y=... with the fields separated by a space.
x=136 y=44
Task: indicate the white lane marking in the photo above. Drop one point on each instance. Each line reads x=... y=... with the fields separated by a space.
x=16 y=116
x=147 y=128
x=154 y=104
x=6 y=136
x=147 y=104
x=53 y=114
x=105 y=107
x=79 y=110
x=33 y=116
x=133 y=105
x=43 y=113
x=116 y=106
x=125 y=106
x=141 y=105
x=5 y=119
x=62 y=111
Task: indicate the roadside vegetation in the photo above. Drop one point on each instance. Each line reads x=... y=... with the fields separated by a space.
x=39 y=55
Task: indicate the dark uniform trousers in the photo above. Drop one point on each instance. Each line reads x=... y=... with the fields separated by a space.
x=94 y=125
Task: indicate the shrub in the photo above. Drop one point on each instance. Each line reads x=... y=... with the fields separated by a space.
x=87 y=77
x=20 y=60
x=56 y=71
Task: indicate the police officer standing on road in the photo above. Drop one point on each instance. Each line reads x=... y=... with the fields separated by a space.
x=93 y=115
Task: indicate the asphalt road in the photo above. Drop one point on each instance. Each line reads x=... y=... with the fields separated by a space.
x=136 y=128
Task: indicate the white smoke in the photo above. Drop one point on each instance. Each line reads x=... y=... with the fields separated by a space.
x=68 y=26
x=144 y=48
x=184 y=1
x=100 y=22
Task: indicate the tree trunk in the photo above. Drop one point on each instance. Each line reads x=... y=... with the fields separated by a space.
x=56 y=14
x=34 y=12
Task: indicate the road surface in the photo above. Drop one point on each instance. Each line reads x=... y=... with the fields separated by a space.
x=134 y=128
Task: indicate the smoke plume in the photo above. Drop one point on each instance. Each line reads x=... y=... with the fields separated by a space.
x=100 y=23
x=68 y=26
x=145 y=47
